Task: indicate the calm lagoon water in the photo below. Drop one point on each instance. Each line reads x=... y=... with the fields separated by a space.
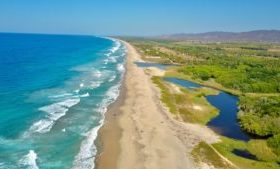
x=54 y=91
x=244 y=154
x=226 y=122
x=148 y=64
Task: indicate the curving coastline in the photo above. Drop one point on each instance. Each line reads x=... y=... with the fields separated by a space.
x=139 y=132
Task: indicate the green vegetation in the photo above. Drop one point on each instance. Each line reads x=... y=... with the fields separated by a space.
x=266 y=159
x=260 y=115
x=188 y=105
x=233 y=70
x=261 y=150
x=249 y=70
x=258 y=148
x=206 y=153
x=274 y=143
x=246 y=77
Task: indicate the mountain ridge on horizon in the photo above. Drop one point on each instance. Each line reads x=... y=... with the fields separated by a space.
x=272 y=36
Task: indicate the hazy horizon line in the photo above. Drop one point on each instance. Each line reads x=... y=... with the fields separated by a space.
x=123 y=35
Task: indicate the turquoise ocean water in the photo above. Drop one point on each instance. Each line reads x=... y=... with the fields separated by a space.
x=54 y=91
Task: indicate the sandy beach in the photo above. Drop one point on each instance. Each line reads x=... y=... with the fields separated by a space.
x=140 y=133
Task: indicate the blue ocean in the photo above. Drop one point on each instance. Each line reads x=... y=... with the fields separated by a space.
x=54 y=91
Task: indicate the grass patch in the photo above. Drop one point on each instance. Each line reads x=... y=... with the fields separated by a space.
x=188 y=105
x=260 y=149
x=166 y=96
x=256 y=147
x=206 y=154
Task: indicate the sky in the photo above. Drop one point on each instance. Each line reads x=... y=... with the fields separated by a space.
x=137 y=17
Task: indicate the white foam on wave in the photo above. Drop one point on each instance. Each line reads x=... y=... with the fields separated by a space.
x=95 y=84
x=84 y=95
x=112 y=78
x=94 y=79
x=120 y=67
x=107 y=54
x=61 y=95
x=54 y=112
x=112 y=59
x=124 y=53
x=96 y=74
x=41 y=126
x=116 y=47
x=29 y=160
x=112 y=94
x=85 y=158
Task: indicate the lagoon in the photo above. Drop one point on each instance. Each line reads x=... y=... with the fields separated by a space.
x=226 y=122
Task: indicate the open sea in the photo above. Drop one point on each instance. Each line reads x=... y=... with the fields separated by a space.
x=54 y=91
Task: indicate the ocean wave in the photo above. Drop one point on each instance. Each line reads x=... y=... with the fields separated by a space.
x=61 y=95
x=95 y=84
x=120 y=67
x=112 y=59
x=54 y=112
x=73 y=95
x=88 y=80
x=2 y=165
x=55 y=109
x=92 y=80
x=107 y=54
x=112 y=94
x=105 y=61
x=84 y=95
x=97 y=73
x=85 y=158
x=116 y=47
x=29 y=160
x=41 y=126
x=112 y=78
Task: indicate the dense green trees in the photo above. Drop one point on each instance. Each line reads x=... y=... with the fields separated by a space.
x=260 y=115
x=247 y=74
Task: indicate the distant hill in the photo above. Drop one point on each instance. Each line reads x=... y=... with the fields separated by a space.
x=252 y=36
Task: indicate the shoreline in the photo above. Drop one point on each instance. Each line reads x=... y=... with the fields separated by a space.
x=109 y=134
x=139 y=132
